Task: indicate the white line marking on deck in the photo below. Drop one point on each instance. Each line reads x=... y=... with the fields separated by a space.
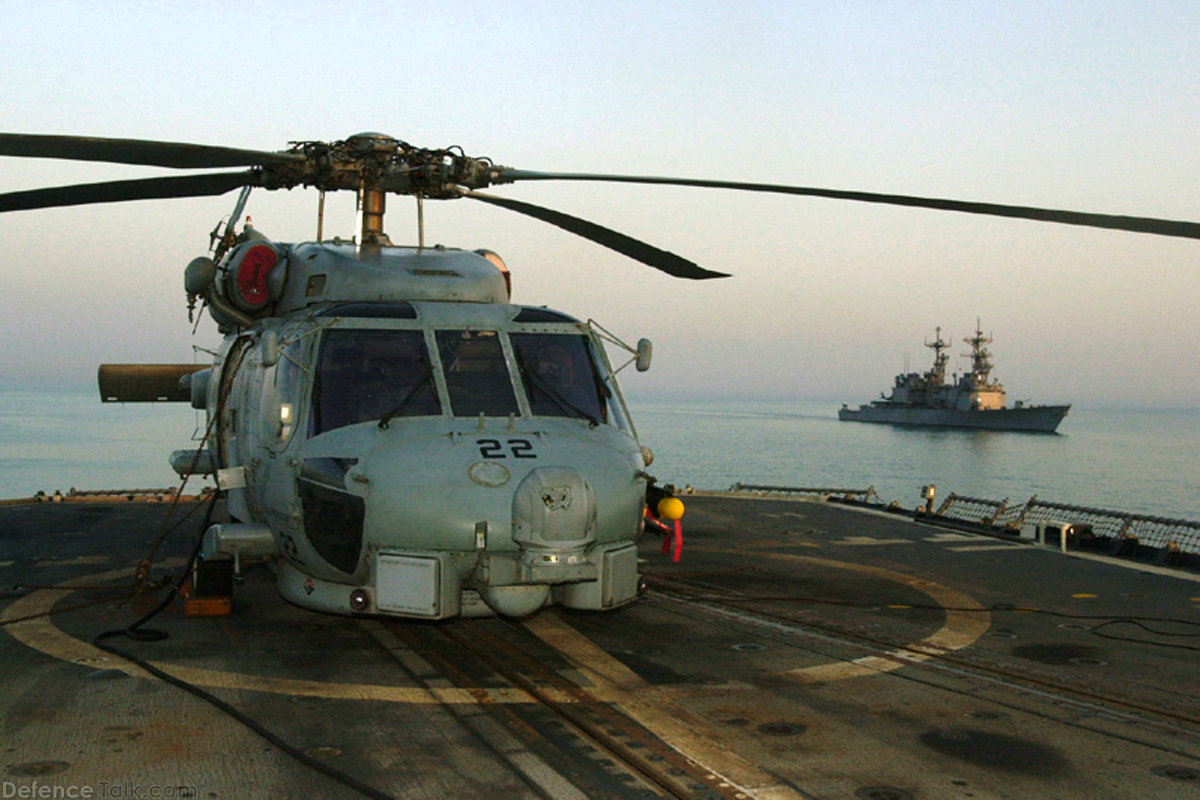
x=869 y=541
x=980 y=548
x=949 y=537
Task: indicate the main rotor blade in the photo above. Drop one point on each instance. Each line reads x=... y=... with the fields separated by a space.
x=137 y=151
x=1159 y=227
x=118 y=191
x=625 y=245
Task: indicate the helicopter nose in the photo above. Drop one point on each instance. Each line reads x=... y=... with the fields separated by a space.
x=554 y=522
x=520 y=518
x=554 y=512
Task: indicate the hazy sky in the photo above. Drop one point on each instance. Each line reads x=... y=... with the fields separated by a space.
x=1086 y=105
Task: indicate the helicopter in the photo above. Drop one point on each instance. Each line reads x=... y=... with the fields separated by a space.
x=390 y=431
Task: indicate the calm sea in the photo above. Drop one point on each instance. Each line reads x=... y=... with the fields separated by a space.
x=1139 y=461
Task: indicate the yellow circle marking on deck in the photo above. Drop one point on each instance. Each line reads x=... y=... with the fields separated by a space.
x=40 y=633
x=961 y=628
x=966 y=621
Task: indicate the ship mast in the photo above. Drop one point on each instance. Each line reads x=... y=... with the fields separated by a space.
x=981 y=364
x=937 y=375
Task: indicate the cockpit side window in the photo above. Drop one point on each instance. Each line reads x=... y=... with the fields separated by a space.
x=560 y=376
x=476 y=374
x=284 y=410
x=364 y=375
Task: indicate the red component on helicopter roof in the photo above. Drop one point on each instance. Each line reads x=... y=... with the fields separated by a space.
x=251 y=277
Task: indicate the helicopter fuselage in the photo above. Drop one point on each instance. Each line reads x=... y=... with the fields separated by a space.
x=424 y=448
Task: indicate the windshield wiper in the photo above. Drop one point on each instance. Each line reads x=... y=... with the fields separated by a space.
x=408 y=399
x=563 y=403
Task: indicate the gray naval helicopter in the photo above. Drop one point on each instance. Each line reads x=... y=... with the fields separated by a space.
x=393 y=433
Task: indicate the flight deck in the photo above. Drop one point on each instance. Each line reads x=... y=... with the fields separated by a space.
x=799 y=649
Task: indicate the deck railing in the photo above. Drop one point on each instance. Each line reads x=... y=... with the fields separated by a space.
x=1166 y=535
x=860 y=495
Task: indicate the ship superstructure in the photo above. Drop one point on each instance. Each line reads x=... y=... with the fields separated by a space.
x=974 y=400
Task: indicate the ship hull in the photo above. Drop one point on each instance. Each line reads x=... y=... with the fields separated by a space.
x=1036 y=419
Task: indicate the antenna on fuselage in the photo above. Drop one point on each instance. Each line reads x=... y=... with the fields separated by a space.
x=321 y=218
x=420 y=222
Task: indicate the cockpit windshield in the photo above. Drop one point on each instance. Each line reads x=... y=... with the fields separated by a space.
x=366 y=375
x=371 y=374
x=559 y=375
x=476 y=374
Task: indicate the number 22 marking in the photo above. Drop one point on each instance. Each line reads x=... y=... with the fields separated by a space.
x=493 y=448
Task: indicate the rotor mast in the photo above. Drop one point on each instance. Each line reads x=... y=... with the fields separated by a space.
x=372 y=201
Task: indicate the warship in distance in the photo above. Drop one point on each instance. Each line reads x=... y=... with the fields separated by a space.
x=971 y=402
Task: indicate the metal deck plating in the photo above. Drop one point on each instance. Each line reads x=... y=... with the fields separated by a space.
x=800 y=649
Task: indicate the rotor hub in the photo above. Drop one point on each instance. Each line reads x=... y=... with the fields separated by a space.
x=377 y=162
